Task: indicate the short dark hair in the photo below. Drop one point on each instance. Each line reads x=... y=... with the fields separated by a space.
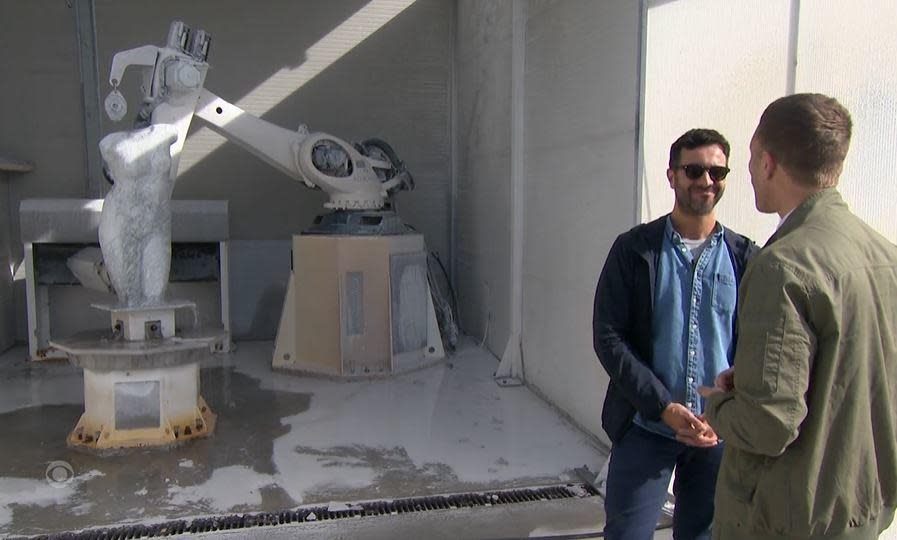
x=808 y=135
x=696 y=138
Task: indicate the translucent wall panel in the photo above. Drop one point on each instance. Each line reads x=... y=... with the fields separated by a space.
x=847 y=50
x=716 y=64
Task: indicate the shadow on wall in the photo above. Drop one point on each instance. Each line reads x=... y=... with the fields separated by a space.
x=352 y=68
x=266 y=315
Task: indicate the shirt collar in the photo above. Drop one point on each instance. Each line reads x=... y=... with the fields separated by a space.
x=676 y=238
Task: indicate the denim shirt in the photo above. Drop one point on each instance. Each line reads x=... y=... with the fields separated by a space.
x=693 y=320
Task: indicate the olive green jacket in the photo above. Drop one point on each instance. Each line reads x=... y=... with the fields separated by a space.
x=811 y=426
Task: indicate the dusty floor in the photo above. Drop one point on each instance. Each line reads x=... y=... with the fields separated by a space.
x=282 y=441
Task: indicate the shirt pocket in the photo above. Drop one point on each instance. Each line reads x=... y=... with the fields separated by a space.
x=724 y=293
x=767 y=348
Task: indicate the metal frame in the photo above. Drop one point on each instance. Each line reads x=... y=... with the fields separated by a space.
x=38 y=307
x=640 y=111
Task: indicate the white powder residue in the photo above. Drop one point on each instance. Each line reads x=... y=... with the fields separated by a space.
x=34 y=492
x=226 y=488
x=455 y=417
x=82 y=509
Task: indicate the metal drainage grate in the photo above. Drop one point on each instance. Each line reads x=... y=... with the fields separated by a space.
x=330 y=512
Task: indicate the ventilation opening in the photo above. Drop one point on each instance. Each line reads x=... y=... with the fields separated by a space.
x=334 y=512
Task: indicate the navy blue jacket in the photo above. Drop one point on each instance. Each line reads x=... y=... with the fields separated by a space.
x=621 y=322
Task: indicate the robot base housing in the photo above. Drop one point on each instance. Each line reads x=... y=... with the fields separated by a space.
x=358 y=306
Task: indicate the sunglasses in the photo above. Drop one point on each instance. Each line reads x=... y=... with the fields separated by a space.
x=694 y=171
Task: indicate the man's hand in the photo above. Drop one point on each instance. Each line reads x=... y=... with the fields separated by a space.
x=707 y=391
x=701 y=435
x=689 y=428
x=725 y=382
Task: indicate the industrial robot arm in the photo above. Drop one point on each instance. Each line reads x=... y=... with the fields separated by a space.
x=356 y=177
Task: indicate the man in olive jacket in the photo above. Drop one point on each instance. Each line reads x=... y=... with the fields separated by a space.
x=809 y=414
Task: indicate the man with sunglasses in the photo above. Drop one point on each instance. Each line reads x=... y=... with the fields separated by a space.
x=664 y=324
x=810 y=412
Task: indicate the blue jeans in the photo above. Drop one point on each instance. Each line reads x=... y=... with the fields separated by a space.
x=641 y=464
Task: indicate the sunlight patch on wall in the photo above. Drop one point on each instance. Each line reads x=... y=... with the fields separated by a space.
x=273 y=91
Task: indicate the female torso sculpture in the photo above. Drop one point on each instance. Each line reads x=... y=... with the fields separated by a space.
x=135 y=226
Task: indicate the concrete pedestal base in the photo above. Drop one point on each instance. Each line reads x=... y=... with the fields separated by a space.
x=139 y=393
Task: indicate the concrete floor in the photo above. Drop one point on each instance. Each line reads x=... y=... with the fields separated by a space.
x=284 y=440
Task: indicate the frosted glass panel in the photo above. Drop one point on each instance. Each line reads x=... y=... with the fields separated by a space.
x=847 y=50
x=713 y=64
x=718 y=64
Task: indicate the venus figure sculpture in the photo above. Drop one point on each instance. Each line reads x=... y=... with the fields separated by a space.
x=135 y=226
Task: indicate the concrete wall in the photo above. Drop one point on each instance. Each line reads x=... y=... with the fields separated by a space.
x=40 y=108
x=352 y=68
x=580 y=108
x=483 y=134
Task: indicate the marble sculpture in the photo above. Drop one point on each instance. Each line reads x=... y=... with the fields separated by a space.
x=135 y=225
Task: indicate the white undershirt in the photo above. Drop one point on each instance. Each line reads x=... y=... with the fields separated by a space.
x=695 y=246
x=783 y=218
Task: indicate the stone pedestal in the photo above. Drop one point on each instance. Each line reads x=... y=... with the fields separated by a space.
x=142 y=392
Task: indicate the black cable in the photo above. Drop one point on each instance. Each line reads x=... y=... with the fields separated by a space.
x=452 y=295
x=398 y=165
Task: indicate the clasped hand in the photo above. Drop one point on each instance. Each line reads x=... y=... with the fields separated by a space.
x=690 y=429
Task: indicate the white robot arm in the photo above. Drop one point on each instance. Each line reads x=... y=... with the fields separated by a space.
x=356 y=177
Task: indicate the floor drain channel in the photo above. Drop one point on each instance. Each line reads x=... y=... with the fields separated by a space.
x=330 y=512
